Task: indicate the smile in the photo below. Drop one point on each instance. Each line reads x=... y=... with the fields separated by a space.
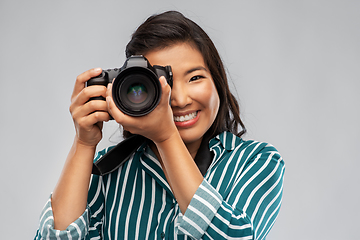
x=185 y=117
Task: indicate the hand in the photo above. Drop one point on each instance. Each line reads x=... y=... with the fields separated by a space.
x=88 y=116
x=158 y=125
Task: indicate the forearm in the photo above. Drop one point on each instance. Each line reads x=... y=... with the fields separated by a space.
x=180 y=169
x=69 y=198
x=243 y=190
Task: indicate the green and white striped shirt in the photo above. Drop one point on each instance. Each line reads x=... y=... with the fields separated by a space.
x=239 y=198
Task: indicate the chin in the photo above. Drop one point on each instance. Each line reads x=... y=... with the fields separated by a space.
x=190 y=137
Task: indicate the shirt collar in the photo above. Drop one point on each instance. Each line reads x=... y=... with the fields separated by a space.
x=227 y=140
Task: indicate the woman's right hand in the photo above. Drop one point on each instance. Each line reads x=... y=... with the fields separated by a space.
x=88 y=116
x=69 y=198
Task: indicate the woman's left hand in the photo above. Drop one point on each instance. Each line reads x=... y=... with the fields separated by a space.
x=160 y=127
x=157 y=126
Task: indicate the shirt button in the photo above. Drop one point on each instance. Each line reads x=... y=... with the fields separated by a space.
x=162 y=235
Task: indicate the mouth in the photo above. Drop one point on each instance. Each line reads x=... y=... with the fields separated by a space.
x=185 y=118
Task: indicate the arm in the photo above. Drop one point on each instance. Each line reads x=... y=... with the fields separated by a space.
x=69 y=199
x=174 y=156
x=242 y=205
x=70 y=195
x=87 y=226
x=180 y=169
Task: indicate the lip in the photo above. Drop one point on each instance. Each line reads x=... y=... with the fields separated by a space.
x=188 y=123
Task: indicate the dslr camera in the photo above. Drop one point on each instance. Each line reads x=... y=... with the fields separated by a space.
x=136 y=89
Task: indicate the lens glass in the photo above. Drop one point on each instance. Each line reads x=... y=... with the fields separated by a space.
x=137 y=93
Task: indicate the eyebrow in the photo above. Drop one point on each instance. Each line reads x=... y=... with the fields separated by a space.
x=196 y=69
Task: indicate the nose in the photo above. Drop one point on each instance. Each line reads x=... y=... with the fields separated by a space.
x=179 y=95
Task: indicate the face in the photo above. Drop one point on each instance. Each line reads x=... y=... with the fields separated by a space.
x=194 y=98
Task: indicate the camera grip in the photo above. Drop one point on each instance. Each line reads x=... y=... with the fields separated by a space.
x=99 y=80
x=102 y=79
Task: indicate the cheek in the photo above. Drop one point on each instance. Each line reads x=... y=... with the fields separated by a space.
x=207 y=95
x=214 y=102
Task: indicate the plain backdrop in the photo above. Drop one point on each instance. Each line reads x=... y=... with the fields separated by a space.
x=294 y=66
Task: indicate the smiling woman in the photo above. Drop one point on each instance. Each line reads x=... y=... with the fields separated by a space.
x=194 y=177
x=194 y=98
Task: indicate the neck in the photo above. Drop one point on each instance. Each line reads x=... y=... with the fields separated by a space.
x=192 y=148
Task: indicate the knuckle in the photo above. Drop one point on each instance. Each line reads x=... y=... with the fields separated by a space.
x=86 y=91
x=110 y=108
x=92 y=105
x=74 y=112
x=80 y=78
x=96 y=115
x=81 y=123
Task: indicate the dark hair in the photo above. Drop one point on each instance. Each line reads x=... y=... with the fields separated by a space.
x=169 y=28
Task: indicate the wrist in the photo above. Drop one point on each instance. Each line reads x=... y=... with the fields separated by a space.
x=168 y=137
x=82 y=152
x=168 y=142
x=78 y=143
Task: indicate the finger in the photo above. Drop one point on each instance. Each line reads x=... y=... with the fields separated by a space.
x=96 y=105
x=112 y=108
x=89 y=108
x=88 y=122
x=90 y=92
x=86 y=94
x=110 y=102
x=166 y=89
x=83 y=78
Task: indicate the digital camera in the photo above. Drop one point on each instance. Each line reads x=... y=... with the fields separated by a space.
x=136 y=89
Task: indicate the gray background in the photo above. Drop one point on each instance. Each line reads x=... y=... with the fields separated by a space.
x=294 y=64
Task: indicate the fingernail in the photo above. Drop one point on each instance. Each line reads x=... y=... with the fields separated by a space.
x=97 y=69
x=164 y=79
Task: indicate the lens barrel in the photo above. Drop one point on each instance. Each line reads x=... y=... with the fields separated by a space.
x=136 y=91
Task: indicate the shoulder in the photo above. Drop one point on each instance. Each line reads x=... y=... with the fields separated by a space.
x=239 y=162
x=227 y=143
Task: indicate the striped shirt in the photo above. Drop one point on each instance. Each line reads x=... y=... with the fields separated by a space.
x=239 y=198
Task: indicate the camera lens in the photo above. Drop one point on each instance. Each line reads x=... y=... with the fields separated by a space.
x=137 y=93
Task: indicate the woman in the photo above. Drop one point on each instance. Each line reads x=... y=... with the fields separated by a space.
x=194 y=179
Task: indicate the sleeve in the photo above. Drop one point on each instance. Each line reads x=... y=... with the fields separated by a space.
x=76 y=230
x=248 y=211
x=87 y=226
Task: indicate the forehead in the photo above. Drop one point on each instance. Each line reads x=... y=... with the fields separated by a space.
x=180 y=56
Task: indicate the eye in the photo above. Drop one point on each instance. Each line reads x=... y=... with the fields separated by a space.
x=196 y=78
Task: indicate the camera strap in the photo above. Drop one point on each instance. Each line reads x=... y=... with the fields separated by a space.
x=118 y=155
x=122 y=152
x=204 y=156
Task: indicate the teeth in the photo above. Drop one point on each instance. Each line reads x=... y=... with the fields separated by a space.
x=185 y=118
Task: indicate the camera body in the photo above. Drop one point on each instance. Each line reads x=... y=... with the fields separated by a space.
x=136 y=89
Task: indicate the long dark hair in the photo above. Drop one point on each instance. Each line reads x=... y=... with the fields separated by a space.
x=169 y=28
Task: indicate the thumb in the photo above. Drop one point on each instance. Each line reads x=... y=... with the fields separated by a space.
x=165 y=87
